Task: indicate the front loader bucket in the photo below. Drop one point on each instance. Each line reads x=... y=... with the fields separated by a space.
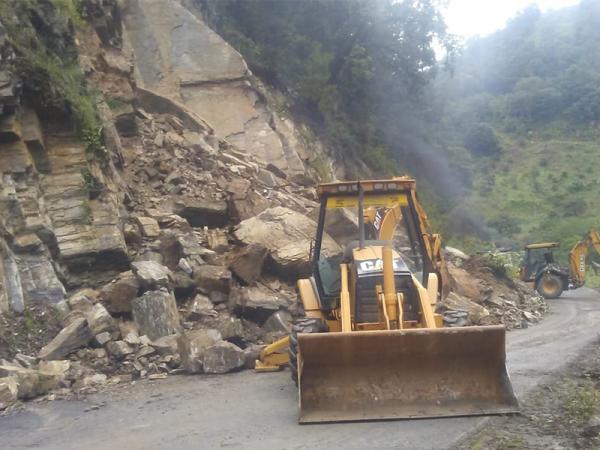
x=403 y=374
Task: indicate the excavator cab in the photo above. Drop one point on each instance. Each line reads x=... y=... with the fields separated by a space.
x=540 y=269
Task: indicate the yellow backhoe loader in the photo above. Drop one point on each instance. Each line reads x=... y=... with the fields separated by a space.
x=370 y=345
x=549 y=278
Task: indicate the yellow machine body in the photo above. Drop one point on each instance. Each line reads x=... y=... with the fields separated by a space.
x=385 y=354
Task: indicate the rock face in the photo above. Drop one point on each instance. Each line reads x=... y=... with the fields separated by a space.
x=73 y=336
x=178 y=56
x=155 y=313
x=287 y=235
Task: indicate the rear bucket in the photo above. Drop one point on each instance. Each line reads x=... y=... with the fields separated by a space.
x=403 y=374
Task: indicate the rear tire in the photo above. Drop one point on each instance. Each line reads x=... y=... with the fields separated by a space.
x=302 y=325
x=550 y=286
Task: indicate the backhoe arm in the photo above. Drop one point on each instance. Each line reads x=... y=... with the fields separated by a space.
x=578 y=255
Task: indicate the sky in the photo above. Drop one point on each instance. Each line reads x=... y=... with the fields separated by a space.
x=469 y=18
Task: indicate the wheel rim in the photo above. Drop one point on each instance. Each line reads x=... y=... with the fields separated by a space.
x=550 y=285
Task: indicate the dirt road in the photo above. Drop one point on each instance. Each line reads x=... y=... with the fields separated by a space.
x=248 y=410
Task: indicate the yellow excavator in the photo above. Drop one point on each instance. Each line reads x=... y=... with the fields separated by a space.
x=549 y=278
x=370 y=345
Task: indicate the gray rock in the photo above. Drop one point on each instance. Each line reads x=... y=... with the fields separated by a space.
x=247 y=264
x=223 y=357
x=199 y=307
x=217 y=240
x=29 y=362
x=31 y=383
x=279 y=322
x=212 y=278
x=256 y=303
x=192 y=345
x=155 y=314
x=119 y=349
x=75 y=335
x=166 y=345
x=148 y=227
x=99 y=319
x=118 y=294
x=103 y=338
x=201 y=213
x=82 y=300
x=151 y=275
x=27 y=243
x=251 y=354
x=184 y=265
x=9 y=391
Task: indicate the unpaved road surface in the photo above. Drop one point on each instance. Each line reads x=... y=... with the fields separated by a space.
x=258 y=411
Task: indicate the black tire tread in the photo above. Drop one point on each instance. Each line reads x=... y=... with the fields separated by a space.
x=302 y=325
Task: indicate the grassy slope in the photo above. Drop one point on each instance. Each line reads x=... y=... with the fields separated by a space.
x=548 y=184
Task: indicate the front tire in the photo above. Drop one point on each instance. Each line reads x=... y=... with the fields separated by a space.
x=550 y=286
x=302 y=325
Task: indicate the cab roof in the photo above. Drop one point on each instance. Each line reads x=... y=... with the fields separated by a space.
x=383 y=186
x=542 y=245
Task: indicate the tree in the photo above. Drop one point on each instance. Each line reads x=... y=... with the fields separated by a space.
x=481 y=140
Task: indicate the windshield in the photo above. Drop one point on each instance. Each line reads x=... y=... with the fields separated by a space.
x=388 y=222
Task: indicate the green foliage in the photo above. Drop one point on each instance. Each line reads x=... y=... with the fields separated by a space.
x=71 y=9
x=48 y=65
x=357 y=69
x=481 y=140
x=581 y=401
x=503 y=264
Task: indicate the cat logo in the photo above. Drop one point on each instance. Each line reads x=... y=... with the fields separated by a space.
x=373 y=265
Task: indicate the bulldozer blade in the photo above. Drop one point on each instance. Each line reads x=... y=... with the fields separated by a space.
x=403 y=374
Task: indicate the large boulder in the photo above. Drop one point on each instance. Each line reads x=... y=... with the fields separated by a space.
x=192 y=346
x=30 y=382
x=9 y=390
x=118 y=294
x=463 y=283
x=151 y=274
x=287 y=235
x=257 y=303
x=203 y=213
x=155 y=314
x=212 y=278
x=99 y=319
x=223 y=357
x=455 y=302
x=247 y=263
x=75 y=335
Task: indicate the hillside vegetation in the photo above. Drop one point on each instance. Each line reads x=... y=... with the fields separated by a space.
x=523 y=115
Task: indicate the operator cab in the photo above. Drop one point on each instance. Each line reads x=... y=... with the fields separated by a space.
x=537 y=256
x=389 y=220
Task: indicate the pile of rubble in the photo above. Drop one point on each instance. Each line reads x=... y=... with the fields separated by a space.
x=482 y=296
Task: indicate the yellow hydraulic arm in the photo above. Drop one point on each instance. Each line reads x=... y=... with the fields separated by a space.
x=578 y=255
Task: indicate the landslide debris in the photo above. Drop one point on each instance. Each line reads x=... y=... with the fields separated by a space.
x=483 y=294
